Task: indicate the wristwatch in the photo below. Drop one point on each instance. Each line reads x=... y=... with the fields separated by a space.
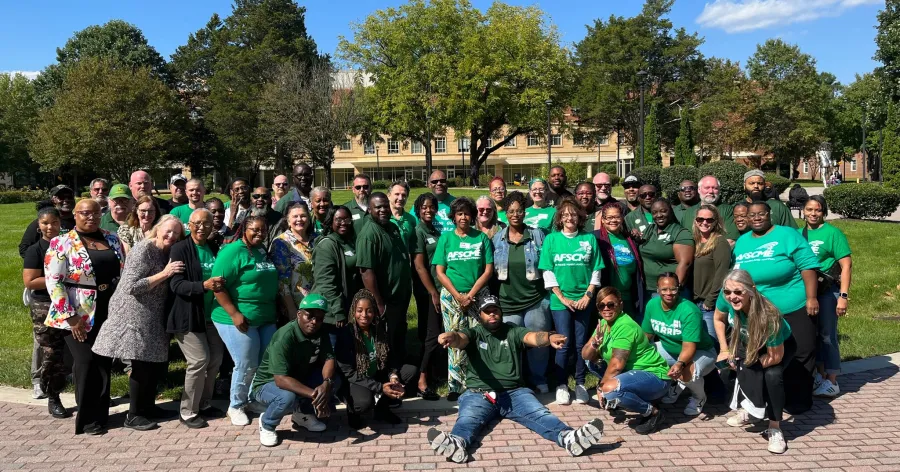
x=589 y=293
x=844 y=295
x=329 y=380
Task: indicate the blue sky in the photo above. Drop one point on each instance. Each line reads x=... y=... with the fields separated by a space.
x=839 y=34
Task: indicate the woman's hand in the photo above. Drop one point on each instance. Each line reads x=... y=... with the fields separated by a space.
x=812 y=307
x=214 y=284
x=464 y=300
x=78 y=331
x=392 y=390
x=240 y=322
x=675 y=370
x=842 y=306
x=582 y=303
x=173 y=267
x=726 y=356
x=340 y=324
x=436 y=301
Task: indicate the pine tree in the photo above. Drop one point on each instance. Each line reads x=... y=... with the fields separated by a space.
x=684 y=144
x=890 y=156
x=652 y=151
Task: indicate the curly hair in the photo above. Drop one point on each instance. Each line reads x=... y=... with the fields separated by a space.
x=464 y=204
x=420 y=202
x=568 y=203
x=328 y=221
x=381 y=346
x=242 y=228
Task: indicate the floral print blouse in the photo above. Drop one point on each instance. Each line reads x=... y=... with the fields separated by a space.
x=293 y=261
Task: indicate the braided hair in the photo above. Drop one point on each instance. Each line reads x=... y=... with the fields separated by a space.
x=381 y=347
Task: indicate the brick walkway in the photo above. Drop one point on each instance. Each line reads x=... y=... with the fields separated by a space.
x=857 y=431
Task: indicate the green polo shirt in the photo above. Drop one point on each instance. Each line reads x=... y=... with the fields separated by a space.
x=383 y=250
x=108 y=223
x=464 y=257
x=684 y=323
x=640 y=220
x=517 y=293
x=294 y=354
x=407 y=226
x=685 y=215
x=495 y=359
x=658 y=253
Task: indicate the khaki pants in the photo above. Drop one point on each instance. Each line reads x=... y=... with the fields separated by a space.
x=203 y=353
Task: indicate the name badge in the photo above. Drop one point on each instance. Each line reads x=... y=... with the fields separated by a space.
x=430 y=240
x=348 y=253
x=482 y=345
x=356 y=216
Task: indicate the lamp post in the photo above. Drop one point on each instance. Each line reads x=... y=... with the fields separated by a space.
x=642 y=75
x=549 y=104
x=377 y=163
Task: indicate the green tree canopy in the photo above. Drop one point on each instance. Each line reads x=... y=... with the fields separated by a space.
x=18 y=118
x=888 y=41
x=684 y=144
x=721 y=119
x=652 y=145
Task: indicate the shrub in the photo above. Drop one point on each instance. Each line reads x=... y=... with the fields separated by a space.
x=381 y=184
x=869 y=200
x=670 y=179
x=731 y=179
x=649 y=175
x=23 y=195
x=458 y=181
x=779 y=183
x=575 y=171
x=416 y=183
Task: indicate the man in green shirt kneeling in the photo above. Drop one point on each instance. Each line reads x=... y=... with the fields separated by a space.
x=496 y=387
x=297 y=371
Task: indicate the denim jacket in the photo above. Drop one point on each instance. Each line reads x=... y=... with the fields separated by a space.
x=532 y=253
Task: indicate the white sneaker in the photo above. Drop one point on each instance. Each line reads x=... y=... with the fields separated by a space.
x=308 y=421
x=37 y=393
x=817 y=381
x=542 y=388
x=581 y=395
x=267 y=438
x=694 y=406
x=448 y=445
x=673 y=393
x=579 y=440
x=238 y=417
x=741 y=418
x=827 y=389
x=776 y=441
x=563 y=396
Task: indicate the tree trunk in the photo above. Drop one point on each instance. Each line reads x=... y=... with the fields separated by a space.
x=328 y=182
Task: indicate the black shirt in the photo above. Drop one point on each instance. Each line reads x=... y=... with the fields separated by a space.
x=34 y=259
x=165 y=206
x=33 y=232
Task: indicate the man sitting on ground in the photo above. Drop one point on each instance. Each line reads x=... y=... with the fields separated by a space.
x=496 y=388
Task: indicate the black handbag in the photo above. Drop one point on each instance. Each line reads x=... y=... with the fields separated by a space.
x=826 y=280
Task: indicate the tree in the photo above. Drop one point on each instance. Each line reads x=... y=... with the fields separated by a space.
x=721 y=118
x=791 y=102
x=18 y=117
x=312 y=109
x=888 y=41
x=652 y=148
x=684 y=144
x=609 y=58
x=116 y=40
x=112 y=119
x=891 y=154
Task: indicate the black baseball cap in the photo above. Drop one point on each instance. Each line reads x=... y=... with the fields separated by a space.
x=631 y=180
x=60 y=188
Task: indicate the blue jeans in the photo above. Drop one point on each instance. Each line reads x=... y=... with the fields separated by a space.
x=704 y=361
x=535 y=318
x=280 y=403
x=637 y=388
x=573 y=325
x=519 y=405
x=709 y=318
x=246 y=350
x=828 y=352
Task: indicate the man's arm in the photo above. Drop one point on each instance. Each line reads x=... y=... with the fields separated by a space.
x=453 y=339
x=544 y=339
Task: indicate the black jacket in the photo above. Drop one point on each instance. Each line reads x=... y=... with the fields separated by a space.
x=345 y=355
x=186 y=311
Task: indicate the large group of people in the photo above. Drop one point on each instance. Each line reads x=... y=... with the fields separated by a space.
x=299 y=302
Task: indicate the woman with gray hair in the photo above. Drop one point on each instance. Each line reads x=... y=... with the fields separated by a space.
x=487 y=221
x=759 y=346
x=319 y=203
x=135 y=329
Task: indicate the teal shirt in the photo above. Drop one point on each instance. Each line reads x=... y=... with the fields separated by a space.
x=828 y=243
x=443 y=220
x=775 y=261
x=774 y=339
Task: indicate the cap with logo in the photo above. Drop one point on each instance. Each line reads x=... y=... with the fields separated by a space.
x=60 y=188
x=119 y=191
x=488 y=301
x=313 y=301
x=177 y=178
x=631 y=179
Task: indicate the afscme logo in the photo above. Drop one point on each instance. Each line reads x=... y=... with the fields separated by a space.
x=570 y=257
x=464 y=255
x=765 y=251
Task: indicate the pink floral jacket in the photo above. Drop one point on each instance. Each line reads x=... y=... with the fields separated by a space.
x=67 y=262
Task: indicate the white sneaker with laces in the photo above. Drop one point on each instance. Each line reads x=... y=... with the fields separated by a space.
x=817 y=381
x=267 y=438
x=563 y=396
x=542 y=388
x=741 y=418
x=238 y=416
x=776 y=441
x=37 y=393
x=308 y=421
x=827 y=389
x=673 y=393
x=448 y=445
x=694 y=406
x=581 y=395
x=579 y=440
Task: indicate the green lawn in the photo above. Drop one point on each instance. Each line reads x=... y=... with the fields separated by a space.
x=874 y=295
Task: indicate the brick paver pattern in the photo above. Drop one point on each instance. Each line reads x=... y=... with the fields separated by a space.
x=857 y=431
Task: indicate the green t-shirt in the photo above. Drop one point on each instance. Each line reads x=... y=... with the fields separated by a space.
x=207 y=261
x=501 y=216
x=464 y=257
x=828 y=244
x=658 y=253
x=495 y=359
x=183 y=212
x=775 y=260
x=726 y=211
x=443 y=220
x=407 y=226
x=292 y=353
x=540 y=217
x=683 y=324
x=572 y=261
x=251 y=281
x=383 y=250
x=627 y=335
x=517 y=293
x=426 y=240
x=369 y=342
x=776 y=339
x=685 y=215
x=626 y=264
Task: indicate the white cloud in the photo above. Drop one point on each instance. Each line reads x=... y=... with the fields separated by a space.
x=27 y=73
x=735 y=16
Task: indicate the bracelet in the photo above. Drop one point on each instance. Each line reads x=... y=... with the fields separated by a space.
x=329 y=380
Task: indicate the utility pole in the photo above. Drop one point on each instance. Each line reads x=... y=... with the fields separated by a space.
x=642 y=74
x=549 y=104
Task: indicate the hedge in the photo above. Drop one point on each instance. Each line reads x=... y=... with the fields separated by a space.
x=381 y=184
x=862 y=201
x=416 y=183
x=670 y=179
x=23 y=195
x=731 y=179
x=649 y=175
x=779 y=183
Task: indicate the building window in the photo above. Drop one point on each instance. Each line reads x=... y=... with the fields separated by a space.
x=346 y=145
x=462 y=145
x=490 y=142
x=532 y=140
x=556 y=139
x=805 y=167
x=393 y=146
x=368 y=147
x=603 y=141
x=578 y=139
x=625 y=166
x=511 y=143
x=417 y=148
x=440 y=145
x=853 y=165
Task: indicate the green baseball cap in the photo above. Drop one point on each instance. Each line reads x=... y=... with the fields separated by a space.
x=119 y=191
x=313 y=301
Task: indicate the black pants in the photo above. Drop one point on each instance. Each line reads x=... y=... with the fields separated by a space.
x=798 y=379
x=432 y=360
x=395 y=317
x=360 y=399
x=142 y=386
x=423 y=300
x=91 y=374
x=767 y=385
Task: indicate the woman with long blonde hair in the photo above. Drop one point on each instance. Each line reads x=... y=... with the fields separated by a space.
x=712 y=259
x=759 y=348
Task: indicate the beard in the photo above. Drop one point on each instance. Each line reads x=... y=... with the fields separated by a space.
x=710 y=199
x=756 y=195
x=259 y=211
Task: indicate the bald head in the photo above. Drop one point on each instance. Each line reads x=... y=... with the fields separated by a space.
x=87 y=215
x=141 y=184
x=438 y=184
x=602 y=186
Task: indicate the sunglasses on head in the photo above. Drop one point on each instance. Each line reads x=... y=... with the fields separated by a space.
x=257 y=196
x=609 y=305
x=705 y=220
x=729 y=292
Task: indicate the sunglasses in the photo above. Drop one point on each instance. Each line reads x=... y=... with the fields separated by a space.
x=648 y=195
x=257 y=196
x=280 y=184
x=603 y=185
x=705 y=220
x=439 y=182
x=485 y=210
x=608 y=305
x=729 y=292
x=361 y=187
x=688 y=189
x=88 y=214
x=630 y=186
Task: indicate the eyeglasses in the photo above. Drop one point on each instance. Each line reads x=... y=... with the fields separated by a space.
x=201 y=225
x=257 y=196
x=361 y=187
x=613 y=218
x=760 y=214
x=537 y=190
x=280 y=184
x=727 y=292
x=602 y=185
x=705 y=220
x=88 y=214
x=515 y=212
x=688 y=188
x=439 y=182
x=648 y=195
x=607 y=305
x=568 y=215
x=101 y=190
x=667 y=290
x=342 y=220
x=145 y=212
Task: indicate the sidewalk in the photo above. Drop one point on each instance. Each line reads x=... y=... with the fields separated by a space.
x=856 y=431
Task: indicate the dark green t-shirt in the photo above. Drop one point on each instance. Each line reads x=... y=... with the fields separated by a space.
x=517 y=293
x=627 y=266
x=658 y=253
x=682 y=324
x=369 y=342
x=292 y=353
x=828 y=244
x=251 y=281
x=464 y=257
x=407 y=226
x=426 y=240
x=207 y=261
x=625 y=334
x=495 y=359
x=108 y=223
x=640 y=220
x=383 y=250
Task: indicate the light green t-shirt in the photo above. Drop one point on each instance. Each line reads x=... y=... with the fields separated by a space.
x=625 y=334
x=443 y=220
x=828 y=244
x=251 y=281
x=682 y=324
x=775 y=260
x=464 y=257
x=626 y=265
x=183 y=212
x=207 y=261
x=540 y=217
x=572 y=259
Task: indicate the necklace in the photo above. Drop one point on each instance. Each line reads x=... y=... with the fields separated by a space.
x=90 y=243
